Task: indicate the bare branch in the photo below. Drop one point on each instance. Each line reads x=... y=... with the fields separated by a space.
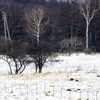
x=88 y=11
x=36 y=22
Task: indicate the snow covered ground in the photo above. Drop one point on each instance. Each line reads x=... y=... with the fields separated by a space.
x=75 y=77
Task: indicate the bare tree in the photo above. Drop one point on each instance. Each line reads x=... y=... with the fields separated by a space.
x=36 y=22
x=88 y=9
x=71 y=44
x=16 y=59
x=39 y=54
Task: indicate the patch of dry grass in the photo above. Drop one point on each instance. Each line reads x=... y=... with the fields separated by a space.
x=71 y=72
x=82 y=79
x=67 y=54
x=61 y=54
x=45 y=74
x=16 y=84
x=27 y=76
x=47 y=93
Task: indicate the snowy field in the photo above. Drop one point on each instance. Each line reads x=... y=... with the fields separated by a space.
x=75 y=77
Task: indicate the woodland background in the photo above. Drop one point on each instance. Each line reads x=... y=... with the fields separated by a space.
x=66 y=25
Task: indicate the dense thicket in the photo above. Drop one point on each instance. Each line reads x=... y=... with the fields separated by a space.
x=65 y=22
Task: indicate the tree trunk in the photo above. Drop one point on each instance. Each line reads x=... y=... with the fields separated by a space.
x=10 y=68
x=16 y=72
x=87 y=32
x=38 y=39
x=40 y=69
x=40 y=65
x=36 y=68
x=24 y=66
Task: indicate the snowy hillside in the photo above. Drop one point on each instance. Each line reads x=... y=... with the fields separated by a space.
x=75 y=77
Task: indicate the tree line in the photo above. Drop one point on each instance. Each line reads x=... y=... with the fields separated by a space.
x=31 y=30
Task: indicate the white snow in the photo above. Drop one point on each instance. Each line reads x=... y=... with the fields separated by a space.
x=77 y=73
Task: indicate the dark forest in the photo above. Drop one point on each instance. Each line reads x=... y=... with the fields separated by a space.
x=64 y=27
